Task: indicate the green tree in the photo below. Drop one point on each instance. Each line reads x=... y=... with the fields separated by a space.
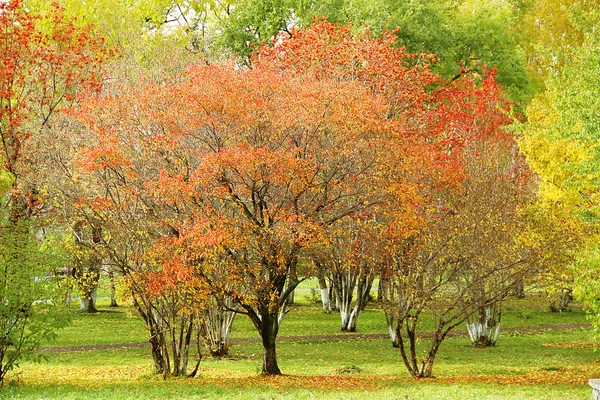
x=466 y=35
x=551 y=31
x=25 y=288
x=141 y=28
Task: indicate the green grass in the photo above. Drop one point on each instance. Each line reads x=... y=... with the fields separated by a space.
x=199 y=389
x=123 y=325
x=550 y=364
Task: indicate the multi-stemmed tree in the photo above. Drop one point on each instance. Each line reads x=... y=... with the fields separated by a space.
x=466 y=256
x=246 y=167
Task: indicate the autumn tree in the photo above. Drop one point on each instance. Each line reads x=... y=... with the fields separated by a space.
x=466 y=256
x=106 y=195
x=285 y=176
x=44 y=60
x=249 y=165
x=448 y=147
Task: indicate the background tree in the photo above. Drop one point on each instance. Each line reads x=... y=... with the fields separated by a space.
x=561 y=145
x=551 y=31
x=465 y=257
x=463 y=35
x=351 y=257
x=142 y=29
x=87 y=263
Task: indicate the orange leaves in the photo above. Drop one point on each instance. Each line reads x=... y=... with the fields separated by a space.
x=331 y=51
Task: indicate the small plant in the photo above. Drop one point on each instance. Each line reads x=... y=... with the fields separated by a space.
x=315 y=296
x=525 y=314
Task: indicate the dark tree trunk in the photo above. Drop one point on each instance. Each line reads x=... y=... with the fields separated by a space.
x=270 y=366
x=269 y=328
x=157 y=354
x=156 y=338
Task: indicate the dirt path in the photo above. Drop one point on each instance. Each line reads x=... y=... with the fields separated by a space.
x=310 y=338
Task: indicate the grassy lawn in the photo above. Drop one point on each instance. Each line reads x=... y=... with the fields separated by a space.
x=546 y=364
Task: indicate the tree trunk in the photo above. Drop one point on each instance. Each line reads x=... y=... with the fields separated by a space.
x=157 y=351
x=269 y=328
x=292 y=277
x=270 y=366
x=566 y=296
x=215 y=326
x=156 y=337
x=519 y=289
x=363 y=296
x=344 y=283
x=88 y=303
x=323 y=288
x=484 y=327
x=386 y=294
x=111 y=277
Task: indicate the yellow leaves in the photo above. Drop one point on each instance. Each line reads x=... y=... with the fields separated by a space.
x=6 y=180
x=102 y=376
x=569 y=375
x=81 y=376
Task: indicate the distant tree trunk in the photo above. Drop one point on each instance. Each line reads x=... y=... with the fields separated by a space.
x=293 y=277
x=111 y=277
x=344 y=283
x=325 y=300
x=88 y=303
x=519 y=289
x=566 y=296
x=215 y=326
x=386 y=297
x=484 y=326
x=87 y=274
x=365 y=283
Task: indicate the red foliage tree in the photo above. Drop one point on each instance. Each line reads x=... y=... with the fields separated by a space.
x=448 y=160
x=44 y=60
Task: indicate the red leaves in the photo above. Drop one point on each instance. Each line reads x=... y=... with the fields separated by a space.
x=40 y=69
